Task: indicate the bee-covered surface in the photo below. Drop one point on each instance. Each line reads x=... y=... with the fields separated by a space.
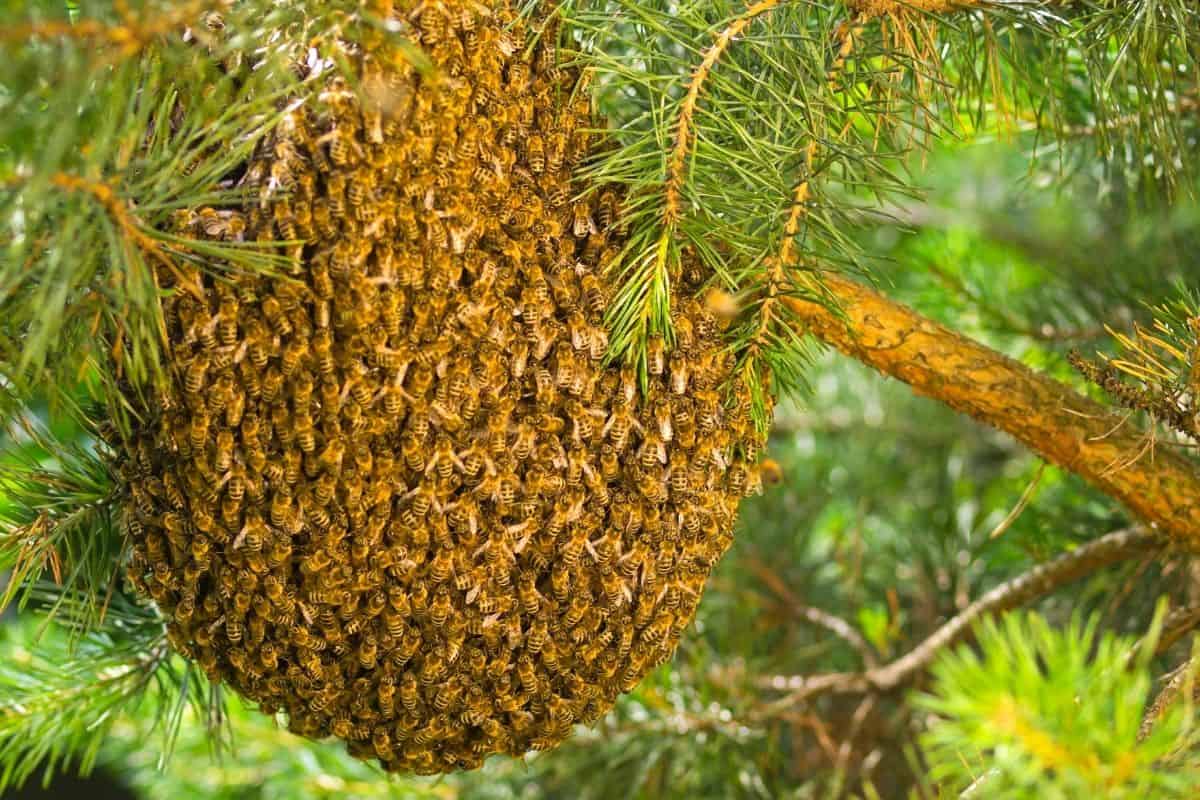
x=397 y=493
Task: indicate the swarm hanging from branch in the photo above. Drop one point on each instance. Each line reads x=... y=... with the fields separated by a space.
x=398 y=493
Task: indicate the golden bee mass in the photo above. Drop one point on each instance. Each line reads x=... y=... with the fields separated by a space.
x=397 y=492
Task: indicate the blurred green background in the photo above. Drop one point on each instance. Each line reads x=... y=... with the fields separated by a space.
x=882 y=519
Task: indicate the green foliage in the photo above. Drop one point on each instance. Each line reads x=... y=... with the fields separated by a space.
x=885 y=516
x=60 y=695
x=1055 y=713
x=99 y=143
x=754 y=152
x=57 y=517
x=715 y=155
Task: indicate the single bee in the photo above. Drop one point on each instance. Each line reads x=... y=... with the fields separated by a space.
x=535 y=154
x=582 y=225
x=197 y=371
x=619 y=424
x=367 y=651
x=198 y=432
x=223 y=454
x=593 y=294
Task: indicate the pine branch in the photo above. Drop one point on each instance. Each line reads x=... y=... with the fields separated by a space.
x=1039 y=581
x=811 y=614
x=1062 y=426
x=1180 y=681
x=59 y=515
x=673 y=187
x=59 y=697
x=901 y=8
x=643 y=303
x=131 y=33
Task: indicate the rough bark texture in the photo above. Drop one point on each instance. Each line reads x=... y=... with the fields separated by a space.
x=1156 y=483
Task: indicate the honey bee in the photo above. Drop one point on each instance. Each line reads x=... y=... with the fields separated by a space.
x=441 y=608
x=315 y=562
x=619 y=423
x=367 y=650
x=535 y=154
x=594 y=295
x=582 y=420
x=433 y=669
x=198 y=431
x=234 y=630
x=431 y=23
x=771 y=471
x=344 y=148
x=223 y=454
x=273 y=311
x=722 y=308
x=607 y=209
x=410 y=694
x=653 y=450
x=544 y=388
x=738 y=479
x=234 y=406
x=437 y=235
x=556 y=151
x=331 y=457
x=196 y=373
x=323 y=213
x=656 y=355
x=582 y=225
x=281 y=177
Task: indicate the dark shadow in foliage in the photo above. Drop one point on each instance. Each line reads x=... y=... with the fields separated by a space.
x=100 y=785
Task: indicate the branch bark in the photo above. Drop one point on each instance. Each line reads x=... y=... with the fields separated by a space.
x=1159 y=485
x=1037 y=582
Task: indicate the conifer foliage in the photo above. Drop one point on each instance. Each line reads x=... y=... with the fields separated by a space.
x=402 y=365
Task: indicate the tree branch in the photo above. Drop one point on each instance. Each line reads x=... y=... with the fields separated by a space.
x=1039 y=581
x=811 y=614
x=1065 y=428
x=1179 y=681
x=687 y=109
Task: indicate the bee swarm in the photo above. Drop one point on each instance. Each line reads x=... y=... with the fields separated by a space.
x=397 y=494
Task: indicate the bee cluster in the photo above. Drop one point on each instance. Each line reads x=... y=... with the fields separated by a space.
x=398 y=494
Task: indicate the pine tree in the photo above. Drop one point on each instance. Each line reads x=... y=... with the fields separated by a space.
x=759 y=148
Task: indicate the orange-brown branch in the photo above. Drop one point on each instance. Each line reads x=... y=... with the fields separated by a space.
x=687 y=109
x=892 y=8
x=130 y=35
x=1157 y=484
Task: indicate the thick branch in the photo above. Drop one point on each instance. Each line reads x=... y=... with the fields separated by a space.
x=1065 y=428
x=1039 y=581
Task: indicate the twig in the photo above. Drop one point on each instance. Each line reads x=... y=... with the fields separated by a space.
x=129 y=36
x=687 y=109
x=1179 y=623
x=856 y=722
x=845 y=36
x=900 y=8
x=125 y=220
x=654 y=272
x=1037 y=582
x=814 y=616
x=975 y=790
x=1184 y=677
x=779 y=265
x=1026 y=496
